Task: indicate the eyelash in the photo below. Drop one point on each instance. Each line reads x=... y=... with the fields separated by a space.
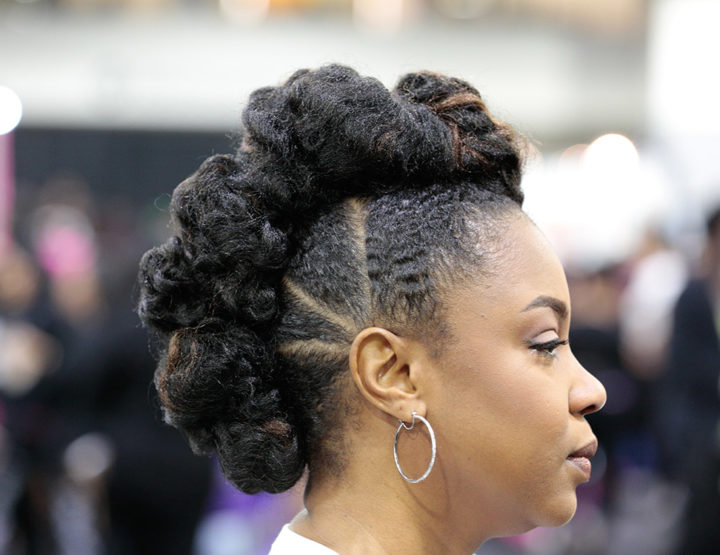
x=547 y=348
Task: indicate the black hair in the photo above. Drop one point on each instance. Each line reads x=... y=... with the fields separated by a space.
x=346 y=205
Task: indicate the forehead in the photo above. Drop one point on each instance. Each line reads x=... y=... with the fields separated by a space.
x=523 y=268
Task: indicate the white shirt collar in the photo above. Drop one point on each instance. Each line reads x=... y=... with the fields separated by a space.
x=292 y=543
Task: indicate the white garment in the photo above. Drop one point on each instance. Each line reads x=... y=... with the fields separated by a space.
x=646 y=305
x=292 y=543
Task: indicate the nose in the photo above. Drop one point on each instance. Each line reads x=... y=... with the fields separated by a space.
x=587 y=394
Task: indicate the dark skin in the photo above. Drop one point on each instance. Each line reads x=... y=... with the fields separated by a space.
x=507 y=400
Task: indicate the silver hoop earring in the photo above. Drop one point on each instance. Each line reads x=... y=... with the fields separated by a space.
x=432 y=440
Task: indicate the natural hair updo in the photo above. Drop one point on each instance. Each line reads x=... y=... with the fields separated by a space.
x=346 y=205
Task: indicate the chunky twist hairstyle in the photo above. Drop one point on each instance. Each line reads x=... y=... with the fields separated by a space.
x=346 y=205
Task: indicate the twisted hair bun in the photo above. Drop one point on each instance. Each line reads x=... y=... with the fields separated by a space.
x=213 y=292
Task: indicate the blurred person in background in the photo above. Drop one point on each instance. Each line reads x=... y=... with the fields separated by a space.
x=689 y=399
x=622 y=316
x=594 y=335
x=657 y=275
x=94 y=469
x=27 y=353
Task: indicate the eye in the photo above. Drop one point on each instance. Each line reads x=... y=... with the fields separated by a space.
x=547 y=348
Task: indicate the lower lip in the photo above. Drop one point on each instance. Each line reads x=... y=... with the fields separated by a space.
x=583 y=464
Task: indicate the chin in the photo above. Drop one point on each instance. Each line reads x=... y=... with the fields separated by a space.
x=559 y=512
x=556 y=513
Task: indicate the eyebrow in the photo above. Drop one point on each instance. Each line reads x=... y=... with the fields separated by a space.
x=559 y=307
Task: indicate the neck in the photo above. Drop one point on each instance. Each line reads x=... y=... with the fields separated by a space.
x=359 y=512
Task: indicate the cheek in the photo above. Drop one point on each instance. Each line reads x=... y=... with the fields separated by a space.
x=508 y=395
x=524 y=416
x=506 y=426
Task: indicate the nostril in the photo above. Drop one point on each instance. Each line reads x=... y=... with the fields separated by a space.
x=584 y=401
x=594 y=402
x=588 y=395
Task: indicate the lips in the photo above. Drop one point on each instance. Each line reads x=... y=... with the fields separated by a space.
x=587 y=452
x=580 y=459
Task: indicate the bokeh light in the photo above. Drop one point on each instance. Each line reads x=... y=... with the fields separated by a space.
x=10 y=110
x=611 y=153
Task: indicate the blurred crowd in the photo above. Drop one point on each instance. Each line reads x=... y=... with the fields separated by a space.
x=87 y=466
x=649 y=329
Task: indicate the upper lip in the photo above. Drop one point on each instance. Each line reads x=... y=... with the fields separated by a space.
x=588 y=451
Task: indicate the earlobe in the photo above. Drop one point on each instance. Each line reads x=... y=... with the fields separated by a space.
x=383 y=369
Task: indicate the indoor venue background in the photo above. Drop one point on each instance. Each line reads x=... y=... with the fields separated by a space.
x=106 y=105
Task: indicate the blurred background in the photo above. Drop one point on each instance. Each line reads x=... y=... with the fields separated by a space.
x=105 y=105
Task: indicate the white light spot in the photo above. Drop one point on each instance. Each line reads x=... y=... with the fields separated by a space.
x=10 y=110
x=611 y=153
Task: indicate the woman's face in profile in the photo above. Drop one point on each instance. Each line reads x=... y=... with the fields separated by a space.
x=509 y=403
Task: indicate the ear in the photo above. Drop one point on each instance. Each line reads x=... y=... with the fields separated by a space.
x=386 y=370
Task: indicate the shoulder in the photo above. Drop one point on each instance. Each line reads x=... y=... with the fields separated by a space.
x=292 y=543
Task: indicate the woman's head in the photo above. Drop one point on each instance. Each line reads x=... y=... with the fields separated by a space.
x=330 y=248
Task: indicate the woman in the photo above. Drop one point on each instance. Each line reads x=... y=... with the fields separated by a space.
x=357 y=292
